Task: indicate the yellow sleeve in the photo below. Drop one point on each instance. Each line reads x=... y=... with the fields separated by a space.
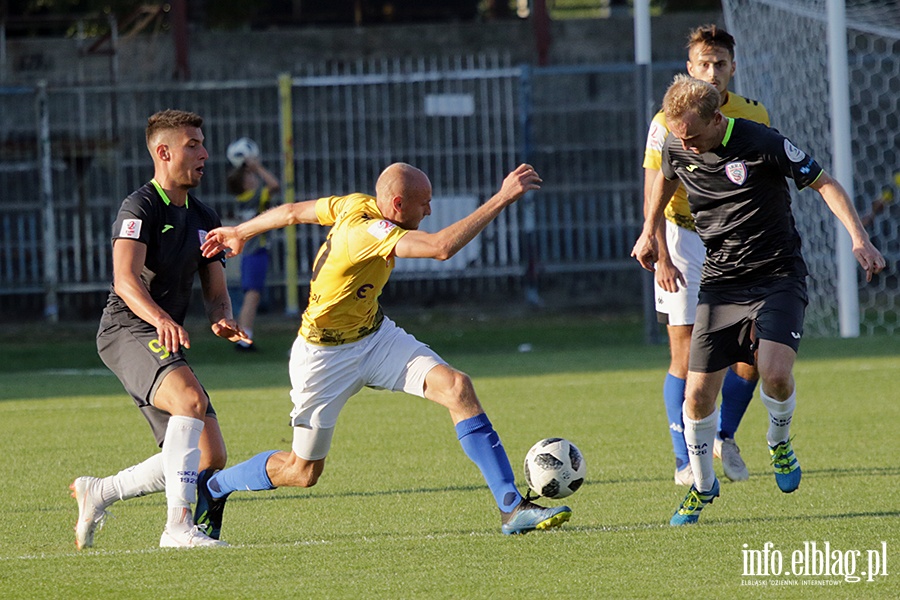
x=656 y=136
x=327 y=209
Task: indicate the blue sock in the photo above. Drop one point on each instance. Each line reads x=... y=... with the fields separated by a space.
x=249 y=475
x=673 y=396
x=483 y=447
x=736 y=395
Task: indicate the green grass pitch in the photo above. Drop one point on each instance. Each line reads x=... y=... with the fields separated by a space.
x=401 y=513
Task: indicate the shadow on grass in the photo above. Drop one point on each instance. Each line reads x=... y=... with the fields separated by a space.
x=299 y=494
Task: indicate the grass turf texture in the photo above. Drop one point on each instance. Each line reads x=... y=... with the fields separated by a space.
x=401 y=513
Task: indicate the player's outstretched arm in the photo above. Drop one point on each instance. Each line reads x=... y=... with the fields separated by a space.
x=218 y=303
x=448 y=241
x=232 y=239
x=869 y=258
x=645 y=248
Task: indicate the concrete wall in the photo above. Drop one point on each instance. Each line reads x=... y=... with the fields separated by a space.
x=241 y=55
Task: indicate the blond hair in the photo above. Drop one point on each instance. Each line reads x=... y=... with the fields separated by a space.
x=687 y=94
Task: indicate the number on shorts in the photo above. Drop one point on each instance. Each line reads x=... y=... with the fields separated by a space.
x=158 y=348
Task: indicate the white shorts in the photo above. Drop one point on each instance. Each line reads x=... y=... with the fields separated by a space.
x=688 y=253
x=323 y=378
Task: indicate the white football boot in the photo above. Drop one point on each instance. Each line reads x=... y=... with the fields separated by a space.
x=91 y=510
x=684 y=475
x=732 y=463
x=192 y=537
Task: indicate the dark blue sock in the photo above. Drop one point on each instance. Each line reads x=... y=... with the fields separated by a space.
x=673 y=396
x=736 y=395
x=483 y=446
x=249 y=475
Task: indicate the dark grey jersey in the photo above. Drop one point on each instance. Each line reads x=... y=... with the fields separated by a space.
x=173 y=235
x=741 y=203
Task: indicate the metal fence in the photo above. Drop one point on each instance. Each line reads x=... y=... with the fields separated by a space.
x=70 y=154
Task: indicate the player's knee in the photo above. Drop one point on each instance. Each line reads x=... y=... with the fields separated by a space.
x=678 y=367
x=780 y=384
x=462 y=392
x=193 y=403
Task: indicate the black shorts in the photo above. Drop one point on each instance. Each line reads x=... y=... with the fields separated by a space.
x=135 y=355
x=729 y=324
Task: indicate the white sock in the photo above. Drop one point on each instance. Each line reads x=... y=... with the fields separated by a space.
x=181 y=460
x=780 y=415
x=141 y=479
x=699 y=437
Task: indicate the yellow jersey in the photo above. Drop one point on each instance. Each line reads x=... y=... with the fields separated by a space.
x=736 y=107
x=351 y=269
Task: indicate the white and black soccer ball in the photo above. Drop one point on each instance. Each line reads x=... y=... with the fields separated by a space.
x=554 y=468
x=240 y=150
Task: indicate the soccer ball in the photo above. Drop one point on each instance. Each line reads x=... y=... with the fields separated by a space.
x=554 y=468
x=241 y=149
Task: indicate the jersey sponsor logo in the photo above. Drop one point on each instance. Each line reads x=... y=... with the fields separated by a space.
x=805 y=169
x=736 y=172
x=380 y=229
x=131 y=228
x=656 y=137
x=363 y=290
x=167 y=228
x=795 y=335
x=690 y=168
x=793 y=153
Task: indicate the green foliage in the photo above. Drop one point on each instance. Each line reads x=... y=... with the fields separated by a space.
x=401 y=513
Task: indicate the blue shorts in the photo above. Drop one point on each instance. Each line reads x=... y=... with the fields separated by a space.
x=253 y=270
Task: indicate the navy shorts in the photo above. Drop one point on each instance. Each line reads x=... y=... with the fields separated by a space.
x=253 y=270
x=135 y=355
x=729 y=324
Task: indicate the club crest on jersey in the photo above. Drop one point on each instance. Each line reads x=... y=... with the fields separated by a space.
x=736 y=172
x=380 y=229
x=793 y=153
x=131 y=228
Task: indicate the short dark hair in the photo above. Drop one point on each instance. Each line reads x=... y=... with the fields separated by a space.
x=171 y=119
x=711 y=35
